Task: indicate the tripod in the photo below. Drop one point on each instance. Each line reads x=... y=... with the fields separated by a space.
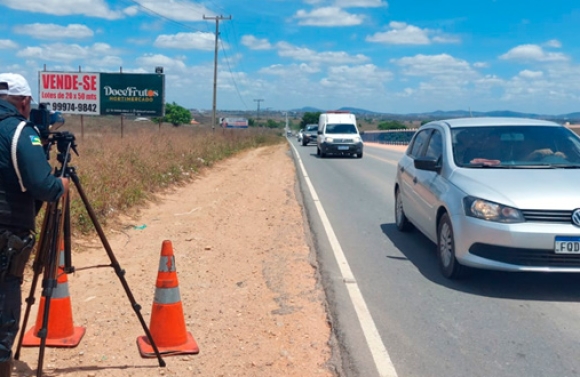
x=56 y=230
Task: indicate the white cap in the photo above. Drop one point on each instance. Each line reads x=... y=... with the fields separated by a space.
x=14 y=84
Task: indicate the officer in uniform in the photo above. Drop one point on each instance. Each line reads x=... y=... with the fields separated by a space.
x=26 y=181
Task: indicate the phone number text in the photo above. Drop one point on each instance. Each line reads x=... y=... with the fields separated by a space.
x=78 y=107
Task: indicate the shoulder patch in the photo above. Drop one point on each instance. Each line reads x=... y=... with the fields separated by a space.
x=35 y=140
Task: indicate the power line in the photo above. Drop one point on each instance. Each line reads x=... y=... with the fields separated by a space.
x=232 y=76
x=217 y=33
x=157 y=14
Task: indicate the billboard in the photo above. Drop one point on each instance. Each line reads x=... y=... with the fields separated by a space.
x=234 y=122
x=103 y=93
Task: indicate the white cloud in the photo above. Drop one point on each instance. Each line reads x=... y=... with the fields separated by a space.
x=446 y=39
x=403 y=34
x=436 y=65
x=327 y=57
x=187 y=41
x=488 y=81
x=89 y=8
x=328 y=16
x=366 y=74
x=360 y=3
x=7 y=43
x=177 y=10
x=527 y=74
x=254 y=43
x=66 y=53
x=107 y=61
x=529 y=52
x=554 y=43
x=481 y=65
x=367 y=81
x=157 y=60
x=290 y=70
x=53 y=31
x=131 y=11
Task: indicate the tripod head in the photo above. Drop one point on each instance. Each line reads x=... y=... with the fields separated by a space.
x=65 y=141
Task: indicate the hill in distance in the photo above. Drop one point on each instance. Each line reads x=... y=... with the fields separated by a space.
x=451 y=114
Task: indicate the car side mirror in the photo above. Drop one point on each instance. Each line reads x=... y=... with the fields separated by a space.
x=427 y=163
x=361 y=132
x=319 y=132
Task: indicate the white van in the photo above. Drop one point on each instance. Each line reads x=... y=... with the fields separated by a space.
x=338 y=134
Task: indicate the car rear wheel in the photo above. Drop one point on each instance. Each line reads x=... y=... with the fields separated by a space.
x=448 y=264
x=403 y=224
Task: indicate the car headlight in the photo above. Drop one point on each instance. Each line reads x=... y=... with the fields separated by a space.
x=491 y=211
x=328 y=139
x=357 y=139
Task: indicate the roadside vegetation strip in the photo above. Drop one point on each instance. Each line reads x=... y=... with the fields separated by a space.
x=119 y=170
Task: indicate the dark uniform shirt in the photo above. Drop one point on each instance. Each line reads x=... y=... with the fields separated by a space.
x=18 y=208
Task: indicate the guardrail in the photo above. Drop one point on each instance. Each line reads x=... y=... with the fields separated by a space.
x=393 y=137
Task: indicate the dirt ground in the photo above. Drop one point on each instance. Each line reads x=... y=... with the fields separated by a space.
x=247 y=281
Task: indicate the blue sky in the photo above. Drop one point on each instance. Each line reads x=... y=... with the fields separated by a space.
x=395 y=56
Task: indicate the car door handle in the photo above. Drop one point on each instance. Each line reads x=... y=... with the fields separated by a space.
x=415 y=180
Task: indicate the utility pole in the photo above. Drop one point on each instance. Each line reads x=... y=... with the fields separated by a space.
x=217 y=33
x=258 y=113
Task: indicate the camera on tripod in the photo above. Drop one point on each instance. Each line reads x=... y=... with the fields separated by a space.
x=46 y=120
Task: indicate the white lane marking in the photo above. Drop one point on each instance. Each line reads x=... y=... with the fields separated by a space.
x=381 y=357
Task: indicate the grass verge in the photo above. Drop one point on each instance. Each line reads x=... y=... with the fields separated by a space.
x=120 y=167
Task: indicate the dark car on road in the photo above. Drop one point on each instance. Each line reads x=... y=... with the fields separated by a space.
x=309 y=134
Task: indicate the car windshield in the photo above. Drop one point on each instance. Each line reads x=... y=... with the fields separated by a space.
x=516 y=147
x=312 y=128
x=341 y=129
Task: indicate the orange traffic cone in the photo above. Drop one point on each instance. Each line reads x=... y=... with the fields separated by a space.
x=60 y=329
x=167 y=324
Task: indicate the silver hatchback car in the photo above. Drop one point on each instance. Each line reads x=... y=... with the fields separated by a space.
x=493 y=193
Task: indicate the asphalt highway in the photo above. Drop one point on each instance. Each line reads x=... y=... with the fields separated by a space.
x=392 y=311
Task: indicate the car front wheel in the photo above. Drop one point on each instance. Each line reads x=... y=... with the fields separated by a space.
x=403 y=224
x=448 y=264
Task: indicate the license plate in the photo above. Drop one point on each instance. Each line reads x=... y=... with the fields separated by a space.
x=567 y=245
x=343 y=147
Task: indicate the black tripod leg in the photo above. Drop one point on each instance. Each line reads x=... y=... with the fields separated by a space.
x=114 y=263
x=49 y=283
x=68 y=268
x=37 y=266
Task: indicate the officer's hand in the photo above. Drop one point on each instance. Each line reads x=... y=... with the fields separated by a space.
x=65 y=183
